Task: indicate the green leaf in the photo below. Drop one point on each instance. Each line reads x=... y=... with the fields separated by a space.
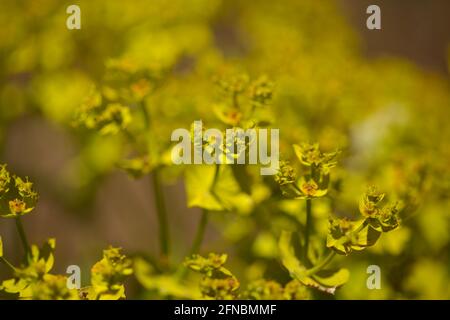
x=367 y=237
x=214 y=192
x=300 y=273
x=287 y=255
x=332 y=278
x=1 y=247
x=16 y=286
x=199 y=180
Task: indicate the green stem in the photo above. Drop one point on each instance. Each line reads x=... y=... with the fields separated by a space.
x=182 y=271
x=321 y=264
x=146 y=115
x=200 y=234
x=196 y=244
x=161 y=210
x=307 y=228
x=216 y=176
x=234 y=100
x=23 y=236
x=162 y=216
x=7 y=263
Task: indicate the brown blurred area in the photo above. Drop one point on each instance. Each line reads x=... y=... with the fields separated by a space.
x=122 y=211
x=418 y=30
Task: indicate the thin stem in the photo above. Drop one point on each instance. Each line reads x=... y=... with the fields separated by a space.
x=200 y=234
x=146 y=115
x=307 y=228
x=196 y=244
x=7 y=263
x=322 y=263
x=162 y=216
x=216 y=176
x=182 y=271
x=23 y=236
x=234 y=100
x=161 y=211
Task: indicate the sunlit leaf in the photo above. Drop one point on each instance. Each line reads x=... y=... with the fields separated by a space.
x=300 y=273
x=219 y=192
x=332 y=279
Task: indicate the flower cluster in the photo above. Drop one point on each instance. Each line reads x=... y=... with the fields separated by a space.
x=17 y=196
x=271 y=290
x=244 y=101
x=217 y=282
x=109 y=108
x=106 y=117
x=108 y=274
x=32 y=279
x=382 y=218
x=316 y=166
x=346 y=236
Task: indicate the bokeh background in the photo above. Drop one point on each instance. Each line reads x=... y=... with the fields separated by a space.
x=383 y=96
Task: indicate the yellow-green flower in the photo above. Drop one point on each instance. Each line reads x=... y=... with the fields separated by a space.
x=108 y=274
x=17 y=196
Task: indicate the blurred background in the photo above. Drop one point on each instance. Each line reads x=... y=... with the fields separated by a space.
x=382 y=95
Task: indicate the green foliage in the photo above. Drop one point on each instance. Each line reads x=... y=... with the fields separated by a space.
x=309 y=277
x=33 y=280
x=142 y=71
x=215 y=188
x=344 y=236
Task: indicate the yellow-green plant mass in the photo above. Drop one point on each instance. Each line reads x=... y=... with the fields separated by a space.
x=137 y=70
